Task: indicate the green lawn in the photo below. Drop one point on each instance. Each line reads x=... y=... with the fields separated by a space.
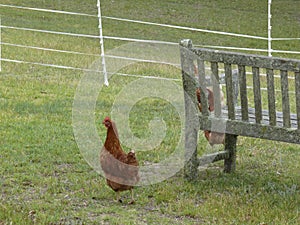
x=44 y=176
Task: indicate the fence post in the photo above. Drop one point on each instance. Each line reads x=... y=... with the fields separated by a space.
x=269 y=29
x=0 y=46
x=102 y=44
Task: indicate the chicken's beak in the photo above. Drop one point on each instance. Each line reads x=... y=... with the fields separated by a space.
x=106 y=124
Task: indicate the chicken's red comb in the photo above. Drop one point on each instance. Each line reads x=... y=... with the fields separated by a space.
x=107 y=118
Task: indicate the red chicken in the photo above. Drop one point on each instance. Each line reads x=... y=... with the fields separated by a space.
x=120 y=168
x=212 y=137
x=211 y=104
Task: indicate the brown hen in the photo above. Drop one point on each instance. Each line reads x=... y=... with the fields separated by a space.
x=212 y=137
x=120 y=168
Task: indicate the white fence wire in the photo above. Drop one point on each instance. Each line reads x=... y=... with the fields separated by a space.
x=101 y=38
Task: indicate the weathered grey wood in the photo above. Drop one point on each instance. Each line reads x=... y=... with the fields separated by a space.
x=216 y=88
x=229 y=92
x=230 y=147
x=265 y=118
x=235 y=82
x=202 y=86
x=239 y=120
x=253 y=130
x=191 y=120
x=271 y=97
x=191 y=161
x=257 y=94
x=285 y=98
x=297 y=93
x=243 y=92
x=247 y=60
x=186 y=43
x=213 y=157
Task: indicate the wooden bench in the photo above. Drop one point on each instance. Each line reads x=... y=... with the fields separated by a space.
x=273 y=114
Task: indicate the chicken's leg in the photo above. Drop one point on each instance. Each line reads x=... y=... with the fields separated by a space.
x=118 y=197
x=132 y=197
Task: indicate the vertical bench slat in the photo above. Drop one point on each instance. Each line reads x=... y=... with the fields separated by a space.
x=216 y=88
x=229 y=91
x=257 y=94
x=243 y=92
x=202 y=85
x=297 y=93
x=285 y=99
x=271 y=97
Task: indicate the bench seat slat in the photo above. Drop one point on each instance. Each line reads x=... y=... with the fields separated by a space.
x=252 y=129
x=265 y=117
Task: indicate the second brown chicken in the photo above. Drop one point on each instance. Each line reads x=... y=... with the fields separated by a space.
x=212 y=137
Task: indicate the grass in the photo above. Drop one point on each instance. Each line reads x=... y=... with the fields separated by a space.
x=44 y=177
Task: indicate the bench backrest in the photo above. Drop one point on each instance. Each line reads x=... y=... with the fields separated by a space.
x=273 y=115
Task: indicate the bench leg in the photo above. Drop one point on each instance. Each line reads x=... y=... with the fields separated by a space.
x=191 y=159
x=230 y=147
